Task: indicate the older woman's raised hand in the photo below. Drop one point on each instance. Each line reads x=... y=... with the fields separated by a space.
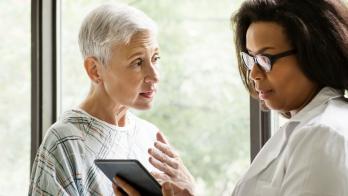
x=175 y=179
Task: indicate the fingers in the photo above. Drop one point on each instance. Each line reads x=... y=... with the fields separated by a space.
x=160 y=137
x=160 y=177
x=116 y=190
x=167 y=189
x=164 y=158
x=171 y=188
x=165 y=148
x=162 y=167
x=125 y=187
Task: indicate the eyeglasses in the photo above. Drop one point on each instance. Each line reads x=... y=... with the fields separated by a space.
x=265 y=61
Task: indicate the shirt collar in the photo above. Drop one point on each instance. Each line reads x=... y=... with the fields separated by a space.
x=324 y=95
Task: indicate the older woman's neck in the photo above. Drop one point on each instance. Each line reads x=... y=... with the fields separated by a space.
x=105 y=110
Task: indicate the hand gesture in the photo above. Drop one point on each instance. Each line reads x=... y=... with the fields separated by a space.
x=176 y=179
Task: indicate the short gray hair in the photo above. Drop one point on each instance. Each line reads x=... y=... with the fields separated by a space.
x=109 y=25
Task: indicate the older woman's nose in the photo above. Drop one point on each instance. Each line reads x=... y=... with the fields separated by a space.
x=153 y=75
x=256 y=73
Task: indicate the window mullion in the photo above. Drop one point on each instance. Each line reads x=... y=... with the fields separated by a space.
x=260 y=127
x=43 y=69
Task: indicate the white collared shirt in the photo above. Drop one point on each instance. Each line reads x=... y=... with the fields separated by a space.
x=308 y=156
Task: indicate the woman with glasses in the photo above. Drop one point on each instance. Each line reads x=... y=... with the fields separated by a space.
x=293 y=57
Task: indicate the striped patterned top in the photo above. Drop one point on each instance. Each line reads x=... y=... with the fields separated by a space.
x=64 y=163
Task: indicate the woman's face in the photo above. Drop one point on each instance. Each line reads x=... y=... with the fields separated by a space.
x=284 y=88
x=131 y=77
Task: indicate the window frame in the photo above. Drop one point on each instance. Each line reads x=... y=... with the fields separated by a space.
x=260 y=127
x=45 y=63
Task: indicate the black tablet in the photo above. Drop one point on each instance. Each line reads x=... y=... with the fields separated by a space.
x=133 y=172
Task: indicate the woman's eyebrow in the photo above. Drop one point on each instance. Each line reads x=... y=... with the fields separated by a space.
x=260 y=50
x=132 y=55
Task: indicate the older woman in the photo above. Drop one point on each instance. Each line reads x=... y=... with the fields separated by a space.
x=293 y=56
x=121 y=55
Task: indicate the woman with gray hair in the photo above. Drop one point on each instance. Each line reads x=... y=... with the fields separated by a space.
x=121 y=54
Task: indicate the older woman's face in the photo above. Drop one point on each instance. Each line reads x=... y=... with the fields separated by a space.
x=131 y=76
x=285 y=87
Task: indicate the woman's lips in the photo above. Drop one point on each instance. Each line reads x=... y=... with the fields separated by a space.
x=148 y=94
x=265 y=94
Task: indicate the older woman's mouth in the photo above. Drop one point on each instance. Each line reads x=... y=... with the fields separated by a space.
x=148 y=94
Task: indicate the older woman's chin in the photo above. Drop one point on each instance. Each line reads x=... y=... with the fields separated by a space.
x=143 y=106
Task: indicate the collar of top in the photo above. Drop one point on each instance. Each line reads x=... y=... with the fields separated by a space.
x=321 y=99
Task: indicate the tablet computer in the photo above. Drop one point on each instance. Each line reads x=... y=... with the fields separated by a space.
x=133 y=172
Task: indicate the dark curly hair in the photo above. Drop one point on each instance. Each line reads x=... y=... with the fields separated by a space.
x=317 y=29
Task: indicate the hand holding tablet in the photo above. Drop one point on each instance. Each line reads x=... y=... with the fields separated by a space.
x=133 y=172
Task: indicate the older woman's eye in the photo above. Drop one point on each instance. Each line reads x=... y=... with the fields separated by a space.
x=156 y=58
x=137 y=62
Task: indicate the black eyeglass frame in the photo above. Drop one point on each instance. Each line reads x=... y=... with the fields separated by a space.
x=272 y=58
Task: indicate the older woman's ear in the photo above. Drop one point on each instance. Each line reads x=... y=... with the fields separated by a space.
x=91 y=67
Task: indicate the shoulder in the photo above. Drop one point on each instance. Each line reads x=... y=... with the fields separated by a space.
x=331 y=122
x=316 y=160
x=321 y=141
x=326 y=134
x=330 y=126
x=63 y=132
x=335 y=115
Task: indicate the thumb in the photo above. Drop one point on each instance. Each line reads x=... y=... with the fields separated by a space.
x=167 y=189
x=160 y=137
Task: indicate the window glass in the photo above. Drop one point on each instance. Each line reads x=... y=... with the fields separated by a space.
x=201 y=105
x=15 y=97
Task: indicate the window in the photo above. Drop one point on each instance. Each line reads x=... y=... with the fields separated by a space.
x=202 y=105
x=15 y=97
